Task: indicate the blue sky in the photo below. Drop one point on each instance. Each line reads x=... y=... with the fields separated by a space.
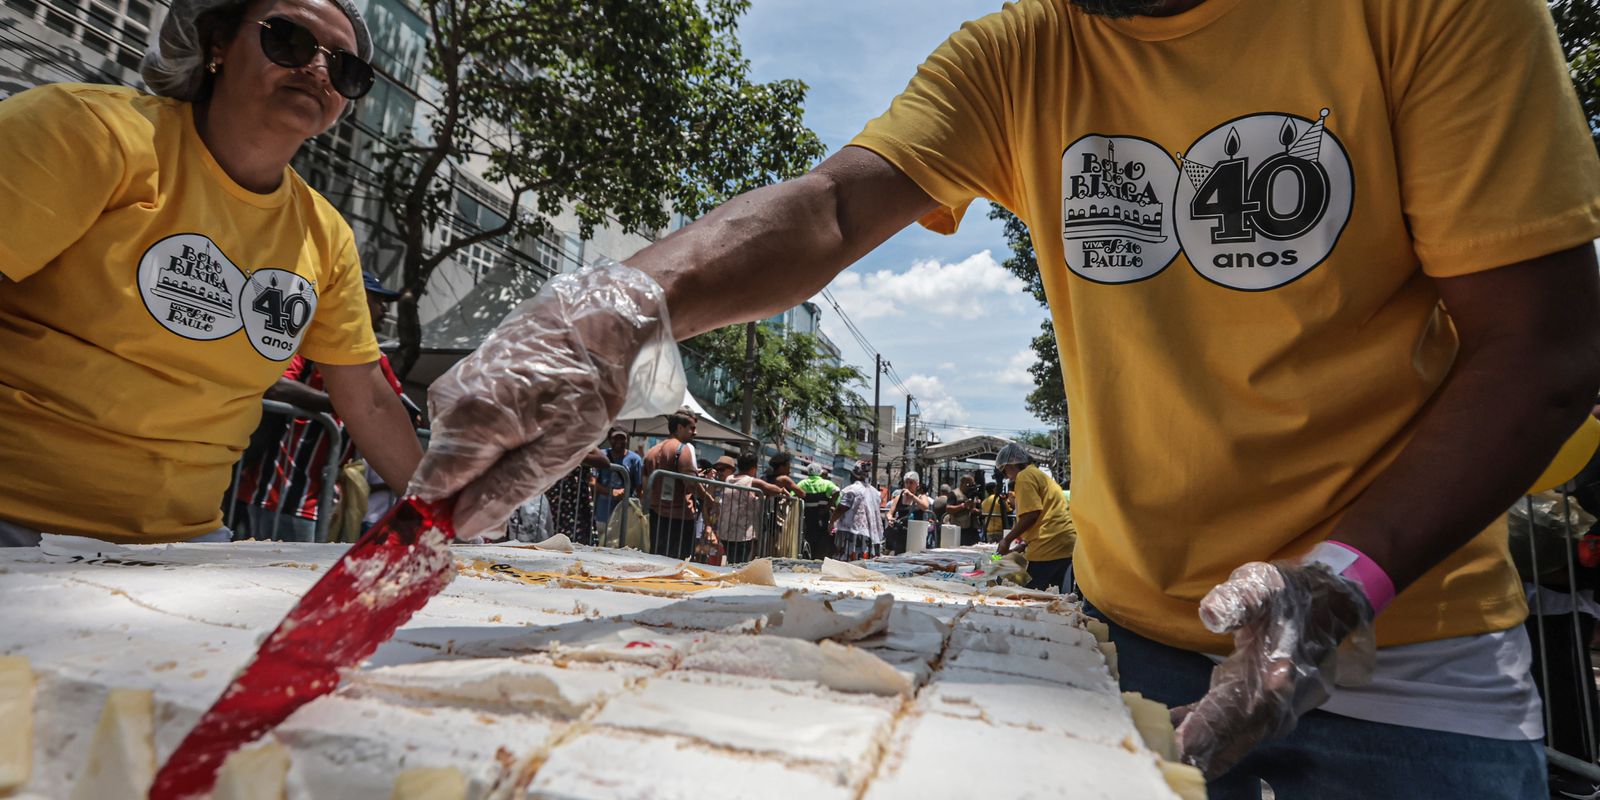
x=953 y=323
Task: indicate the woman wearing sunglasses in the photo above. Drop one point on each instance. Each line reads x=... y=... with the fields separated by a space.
x=162 y=262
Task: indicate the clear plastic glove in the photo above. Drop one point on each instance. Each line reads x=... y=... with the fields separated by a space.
x=1288 y=622
x=523 y=409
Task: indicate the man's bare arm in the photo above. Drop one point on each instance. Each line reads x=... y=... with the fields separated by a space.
x=375 y=418
x=774 y=247
x=1526 y=375
x=1023 y=523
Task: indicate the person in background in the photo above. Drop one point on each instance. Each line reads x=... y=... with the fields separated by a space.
x=611 y=490
x=572 y=499
x=531 y=521
x=739 y=512
x=963 y=510
x=857 y=518
x=818 y=494
x=941 y=510
x=671 y=503
x=161 y=261
x=1042 y=521
x=909 y=503
x=280 y=482
x=996 y=506
x=778 y=472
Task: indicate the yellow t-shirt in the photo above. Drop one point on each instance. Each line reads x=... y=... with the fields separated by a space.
x=1053 y=537
x=149 y=302
x=996 y=518
x=1238 y=212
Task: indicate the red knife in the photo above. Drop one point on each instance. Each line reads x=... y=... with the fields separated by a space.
x=366 y=595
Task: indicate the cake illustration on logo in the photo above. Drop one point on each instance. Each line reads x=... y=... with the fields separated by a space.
x=1139 y=217
x=193 y=277
x=191 y=287
x=1264 y=200
x=1115 y=224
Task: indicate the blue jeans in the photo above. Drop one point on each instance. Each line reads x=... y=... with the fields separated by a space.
x=1334 y=757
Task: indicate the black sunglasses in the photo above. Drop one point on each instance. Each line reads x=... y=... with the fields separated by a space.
x=292 y=46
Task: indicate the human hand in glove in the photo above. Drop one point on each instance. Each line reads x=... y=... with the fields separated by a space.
x=1288 y=620
x=523 y=409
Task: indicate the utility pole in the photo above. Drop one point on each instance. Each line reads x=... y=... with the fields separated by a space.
x=877 y=385
x=905 y=465
x=747 y=420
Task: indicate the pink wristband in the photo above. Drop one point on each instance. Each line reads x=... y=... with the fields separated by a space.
x=1348 y=562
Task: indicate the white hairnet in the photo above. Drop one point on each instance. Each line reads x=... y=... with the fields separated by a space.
x=175 y=65
x=912 y=476
x=1012 y=453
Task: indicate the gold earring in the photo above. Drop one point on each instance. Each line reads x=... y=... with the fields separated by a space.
x=213 y=66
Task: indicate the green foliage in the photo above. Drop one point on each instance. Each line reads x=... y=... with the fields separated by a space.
x=1048 y=400
x=796 y=386
x=1035 y=439
x=618 y=109
x=1578 y=24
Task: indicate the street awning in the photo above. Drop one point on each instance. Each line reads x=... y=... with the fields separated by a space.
x=709 y=428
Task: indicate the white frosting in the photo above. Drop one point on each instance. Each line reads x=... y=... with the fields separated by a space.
x=495 y=682
x=1015 y=700
x=942 y=756
x=599 y=693
x=840 y=667
x=630 y=766
x=755 y=719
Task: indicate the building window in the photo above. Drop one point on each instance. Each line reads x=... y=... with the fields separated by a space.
x=116 y=29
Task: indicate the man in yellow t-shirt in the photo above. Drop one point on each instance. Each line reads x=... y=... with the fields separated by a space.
x=1042 y=521
x=1322 y=278
x=995 y=509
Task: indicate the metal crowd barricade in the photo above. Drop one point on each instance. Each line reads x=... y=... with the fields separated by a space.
x=1582 y=669
x=769 y=512
x=330 y=473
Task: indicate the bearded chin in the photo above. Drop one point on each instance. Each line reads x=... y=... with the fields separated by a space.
x=1118 y=9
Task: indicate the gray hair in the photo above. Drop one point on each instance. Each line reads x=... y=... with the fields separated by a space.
x=175 y=65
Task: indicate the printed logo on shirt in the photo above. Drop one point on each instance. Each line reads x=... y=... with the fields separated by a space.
x=195 y=291
x=191 y=287
x=1115 y=224
x=278 y=305
x=1264 y=200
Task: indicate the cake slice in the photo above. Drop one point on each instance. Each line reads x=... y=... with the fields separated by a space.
x=16 y=732
x=122 y=754
x=1032 y=765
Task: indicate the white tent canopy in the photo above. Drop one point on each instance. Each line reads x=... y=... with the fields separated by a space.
x=709 y=428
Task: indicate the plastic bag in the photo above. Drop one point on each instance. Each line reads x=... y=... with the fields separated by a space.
x=352 y=507
x=521 y=411
x=1548 y=534
x=628 y=527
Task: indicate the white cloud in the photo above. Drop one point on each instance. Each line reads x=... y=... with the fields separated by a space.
x=946 y=366
x=1015 y=373
x=963 y=290
x=935 y=401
